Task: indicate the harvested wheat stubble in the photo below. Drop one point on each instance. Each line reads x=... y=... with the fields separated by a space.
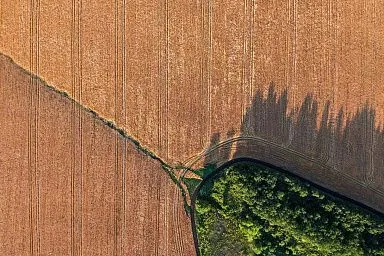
x=72 y=184
x=142 y=57
x=186 y=95
x=14 y=175
x=159 y=228
x=173 y=74
x=53 y=174
x=181 y=77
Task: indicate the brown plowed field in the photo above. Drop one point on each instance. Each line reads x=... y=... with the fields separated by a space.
x=72 y=185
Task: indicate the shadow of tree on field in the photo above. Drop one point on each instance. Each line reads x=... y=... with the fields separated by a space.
x=341 y=153
x=348 y=142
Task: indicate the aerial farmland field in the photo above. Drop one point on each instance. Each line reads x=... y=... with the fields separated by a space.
x=107 y=105
x=71 y=184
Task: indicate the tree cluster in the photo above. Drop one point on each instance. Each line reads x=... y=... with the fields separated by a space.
x=255 y=210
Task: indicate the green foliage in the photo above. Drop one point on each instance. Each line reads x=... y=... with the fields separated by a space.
x=204 y=172
x=254 y=210
x=191 y=184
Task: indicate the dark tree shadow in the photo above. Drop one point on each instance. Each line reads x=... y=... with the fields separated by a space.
x=349 y=143
x=342 y=153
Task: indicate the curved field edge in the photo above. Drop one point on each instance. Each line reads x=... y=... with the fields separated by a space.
x=212 y=174
x=292 y=161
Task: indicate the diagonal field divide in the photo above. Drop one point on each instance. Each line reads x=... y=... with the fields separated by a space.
x=277 y=154
x=94 y=190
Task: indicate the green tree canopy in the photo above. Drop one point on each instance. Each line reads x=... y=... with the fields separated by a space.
x=255 y=210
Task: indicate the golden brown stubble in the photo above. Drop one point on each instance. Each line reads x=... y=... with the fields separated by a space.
x=55 y=43
x=15 y=30
x=145 y=62
x=98 y=56
x=271 y=44
x=227 y=64
x=56 y=62
x=33 y=129
x=152 y=226
x=93 y=192
x=98 y=201
x=187 y=98
x=378 y=40
x=14 y=176
x=54 y=139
